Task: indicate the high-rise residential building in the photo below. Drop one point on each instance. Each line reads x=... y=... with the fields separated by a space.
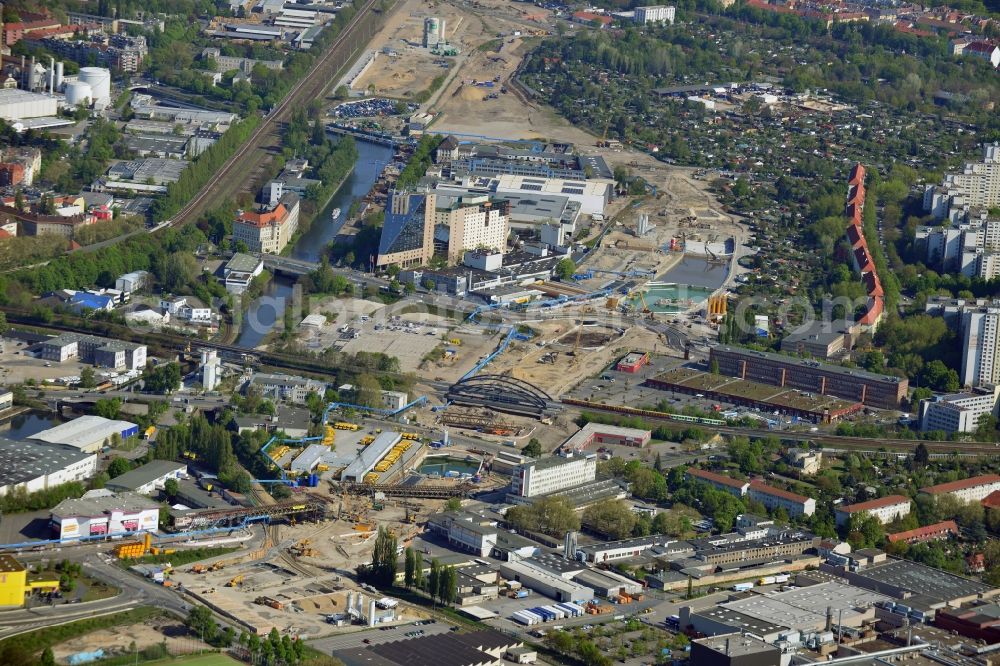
x=957 y=412
x=470 y=222
x=268 y=230
x=980 y=365
x=978 y=184
x=550 y=475
x=408 y=230
x=654 y=14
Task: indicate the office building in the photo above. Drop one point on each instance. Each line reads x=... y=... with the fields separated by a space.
x=469 y=223
x=958 y=412
x=550 y=475
x=239 y=272
x=823 y=340
x=466 y=531
x=268 y=230
x=28 y=466
x=285 y=387
x=408 y=230
x=601 y=434
x=885 y=509
x=654 y=14
x=148 y=478
x=102 y=513
x=972 y=489
x=871 y=389
x=87 y=433
x=980 y=347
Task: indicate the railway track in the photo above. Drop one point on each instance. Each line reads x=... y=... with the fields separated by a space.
x=257 y=151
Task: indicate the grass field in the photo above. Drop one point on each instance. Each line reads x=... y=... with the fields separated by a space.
x=199 y=660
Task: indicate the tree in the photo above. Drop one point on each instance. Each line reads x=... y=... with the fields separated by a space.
x=448 y=585
x=119 y=466
x=201 y=622
x=108 y=409
x=565 y=269
x=921 y=456
x=88 y=378
x=533 y=448
x=171 y=488
x=162 y=379
x=613 y=518
x=434 y=579
x=179 y=270
x=453 y=504
x=408 y=568
x=418 y=569
x=48 y=658
x=384 y=562
x=550 y=515
x=369 y=391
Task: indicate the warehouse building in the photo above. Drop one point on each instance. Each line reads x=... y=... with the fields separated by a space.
x=370 y=456
x=871 y=389
x=618 y=550
x=310 y=457
x=886 y=509
x=32 y=466
x=87 y=433
x=101 y=513
x=547 y=583
x=807 y=609
x=149 y=478
x=14 y=583
x=607 y=583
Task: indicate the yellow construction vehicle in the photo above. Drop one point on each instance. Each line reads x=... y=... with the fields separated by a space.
x=235 y=580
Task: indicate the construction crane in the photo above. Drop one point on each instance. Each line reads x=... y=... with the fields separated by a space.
x=576 y=345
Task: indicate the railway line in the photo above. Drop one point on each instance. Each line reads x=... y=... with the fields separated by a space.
x=237 y=174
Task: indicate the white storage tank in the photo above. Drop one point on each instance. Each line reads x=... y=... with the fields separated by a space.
x=78 y=92
x=99 y=80
x=59 y=75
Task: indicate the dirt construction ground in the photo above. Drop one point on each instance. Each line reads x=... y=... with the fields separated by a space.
x=118 y=640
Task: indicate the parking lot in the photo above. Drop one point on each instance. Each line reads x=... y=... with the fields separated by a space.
x=364 y=636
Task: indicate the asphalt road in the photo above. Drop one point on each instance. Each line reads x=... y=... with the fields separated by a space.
x=356 y=639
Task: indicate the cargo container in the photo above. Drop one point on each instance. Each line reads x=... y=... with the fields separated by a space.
x=522 y=593
x=559 y=613
x=525 y=618
x=766 y=580
x=571 y=611
x=742 y=587
x=781 y=578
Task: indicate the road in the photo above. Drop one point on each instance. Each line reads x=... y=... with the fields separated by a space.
x=362 y=638
x=135 y=592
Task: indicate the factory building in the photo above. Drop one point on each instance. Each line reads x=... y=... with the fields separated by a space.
x=27 y=466
x=102 y=352
x=149 y=478
x=465 y=531
x=886 y=509
x=101 y=513
x=16 y=104
x=734 y=649
x=545 y=582
x=310 y=457
x=87 y=433
x=550 y=475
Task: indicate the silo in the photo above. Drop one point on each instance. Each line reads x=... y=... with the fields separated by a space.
x=99 y=80
x=442 y=39
x=32 y=75
x=59 y=75
x=78 y=92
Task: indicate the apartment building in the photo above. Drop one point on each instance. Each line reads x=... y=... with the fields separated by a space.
x=285 y=387
x=408 y=230
x=969 y=246
x=655 y=14
x=775 y=498
x=978 y=184
x=980 y=346
x=969 y=490
x=550 y=475
x=719 y=481
x=873 y=390
x=268 y=230
x=470 y=222
x=957 y=412
x=885 y=509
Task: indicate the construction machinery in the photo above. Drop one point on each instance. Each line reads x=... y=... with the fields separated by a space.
x=235 y=581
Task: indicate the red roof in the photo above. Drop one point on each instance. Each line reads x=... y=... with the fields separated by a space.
x=991 y=501
x=861 y=256
x=961 y=484
x=857 y=176
x=874 y=312
x=937 y=529
x=854 y=236
x=713 y=477
x=879 y=503
x=762 y=487
x=981 y=47
x=5 y=234
x=854 y=212
x=872 y=284
x=276 y=216
x=590 y=16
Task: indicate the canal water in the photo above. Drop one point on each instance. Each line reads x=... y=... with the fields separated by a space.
x=25 y=425
x=262 y=314
x=697 y=272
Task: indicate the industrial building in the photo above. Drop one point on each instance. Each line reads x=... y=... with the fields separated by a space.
x=146 y=176
x=544 y=582
x=475 y=648
x=806 y=609
x=16 y=104
x=886 y=509
x=871 y=389
x=32 y=466
x=87 y=433
x=310 y=457
x=550 y=475
x=593 y=196
x=632 y=362
x=466 y=531
x=101 y=513
x=103 y=353
x=370 y=456
x=820 y=339
x=148 y=478
x=600 y=433
x=734 y=649
x=6 y=400
x=626 y=548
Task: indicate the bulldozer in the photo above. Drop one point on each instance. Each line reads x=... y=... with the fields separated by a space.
x=235 y=581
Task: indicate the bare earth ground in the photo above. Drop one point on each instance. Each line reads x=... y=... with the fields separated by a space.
x=118 y=639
